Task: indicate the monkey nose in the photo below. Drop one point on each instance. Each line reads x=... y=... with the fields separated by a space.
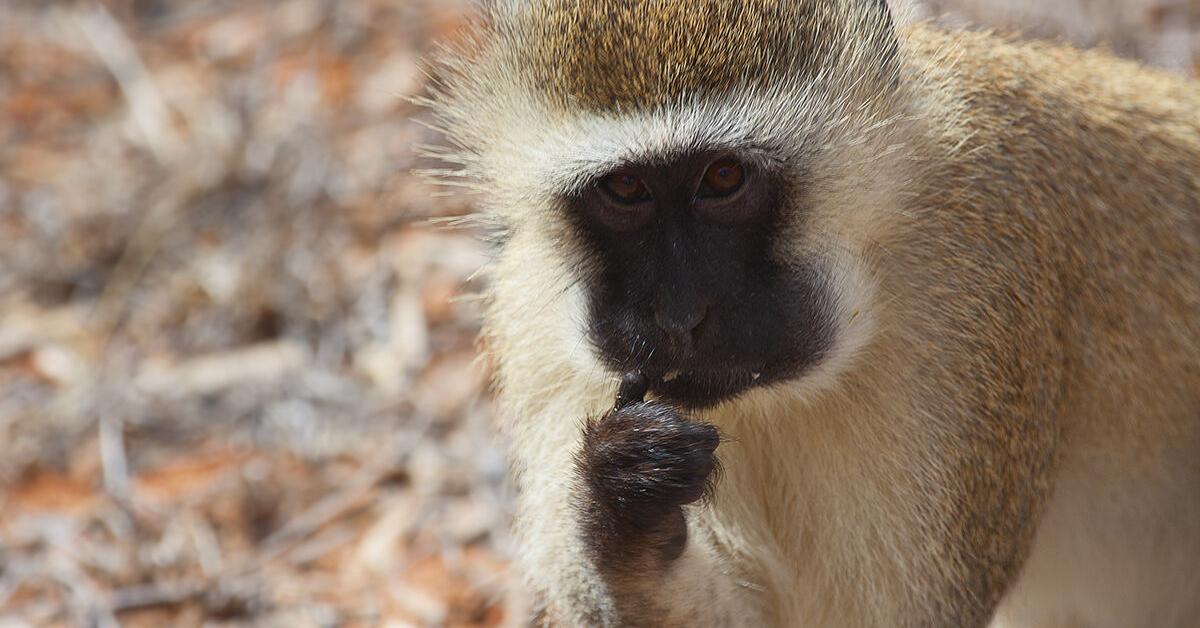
x=681 y=324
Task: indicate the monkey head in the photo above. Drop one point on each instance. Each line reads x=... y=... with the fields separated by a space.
x=708 y=178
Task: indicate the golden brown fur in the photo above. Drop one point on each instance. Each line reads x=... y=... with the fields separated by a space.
x=1011 y=425
x=636 y=54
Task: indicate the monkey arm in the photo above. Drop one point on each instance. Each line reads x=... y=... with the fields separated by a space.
x=592 y=562
x=692 y=590
x=639 y=466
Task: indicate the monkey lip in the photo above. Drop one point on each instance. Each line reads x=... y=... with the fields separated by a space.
x=677 y=373
x=697 y=388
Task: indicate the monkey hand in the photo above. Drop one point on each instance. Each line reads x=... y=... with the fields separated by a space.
x=639 y=464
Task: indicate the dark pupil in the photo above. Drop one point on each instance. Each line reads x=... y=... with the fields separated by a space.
x=725 y=172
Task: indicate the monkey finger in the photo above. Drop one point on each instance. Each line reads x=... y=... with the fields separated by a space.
x=633 y=389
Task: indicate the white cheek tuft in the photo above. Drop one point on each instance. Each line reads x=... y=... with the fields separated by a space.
x=573 y=331
x=854 y=314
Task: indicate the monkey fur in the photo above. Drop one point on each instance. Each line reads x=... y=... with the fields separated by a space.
x=951 y=351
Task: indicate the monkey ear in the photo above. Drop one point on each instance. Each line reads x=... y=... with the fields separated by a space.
x=502 y=10
x=504 y=5
x=886 y=40
x=885 y=12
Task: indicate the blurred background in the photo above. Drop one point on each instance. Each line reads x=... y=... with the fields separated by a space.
x=238 y=373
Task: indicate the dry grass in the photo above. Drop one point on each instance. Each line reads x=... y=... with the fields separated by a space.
x=237 y=367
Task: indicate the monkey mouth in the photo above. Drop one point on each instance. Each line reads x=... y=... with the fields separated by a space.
x=702 y=388
x=674 y=375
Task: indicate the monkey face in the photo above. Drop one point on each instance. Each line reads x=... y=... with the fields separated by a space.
x=683 y=282
x=712 y=219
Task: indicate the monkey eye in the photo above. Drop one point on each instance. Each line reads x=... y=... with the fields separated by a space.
x=625 y=187
x=724 y=177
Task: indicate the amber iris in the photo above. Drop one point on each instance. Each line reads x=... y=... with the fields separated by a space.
x=724 y=177
x=626 y=187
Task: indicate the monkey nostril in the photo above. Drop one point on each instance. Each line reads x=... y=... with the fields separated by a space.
x=681 y=325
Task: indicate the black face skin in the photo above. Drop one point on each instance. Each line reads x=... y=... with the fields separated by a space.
x=686 y=282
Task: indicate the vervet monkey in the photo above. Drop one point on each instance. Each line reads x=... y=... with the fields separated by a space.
x=931 y=299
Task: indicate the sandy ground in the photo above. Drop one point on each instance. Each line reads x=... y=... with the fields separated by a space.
x=238 y=377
